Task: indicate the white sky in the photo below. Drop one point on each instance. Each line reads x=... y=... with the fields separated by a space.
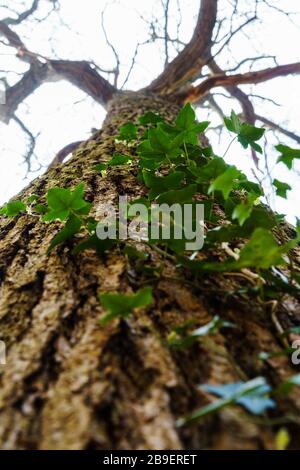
x=64 y=114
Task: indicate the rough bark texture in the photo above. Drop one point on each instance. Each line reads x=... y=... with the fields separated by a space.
x=71 y=384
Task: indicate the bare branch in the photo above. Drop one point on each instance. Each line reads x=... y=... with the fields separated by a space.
x=166 y=34
x=189 y=62
x=64 y=152
x=22 y=16
x=241 y=79
x=31 y=144
x=79 y=73
x=278 y=128
x=15 y=41
x=117 y=67
x=233 y=33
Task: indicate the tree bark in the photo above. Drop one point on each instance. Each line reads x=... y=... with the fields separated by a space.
x=71 y=384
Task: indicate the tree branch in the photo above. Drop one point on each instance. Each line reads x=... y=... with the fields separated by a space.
x=276 y=127
x=31 y=144
x=15 y=41
x=22 y=16
x=194 y=93
x=79 y=73
x=64 y=152
x=189 y=62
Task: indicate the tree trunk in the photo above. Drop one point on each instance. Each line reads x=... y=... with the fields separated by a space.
x=71 y=384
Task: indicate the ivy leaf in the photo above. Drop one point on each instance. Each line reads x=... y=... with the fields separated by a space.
x=62 y=202
x=262 y=251
x=150 y=118
x=225 y=181
x=187 y=125
x=247 y=134
x=160 y=184
x=210 y=171
x=251 y=133
x=179 y=196
x=158 y=146
x=159 y=140
x=123 y=305
x=186 y=118
x=41 y=208
x=175 y=340
x=281 y=188
x=128 y=132
x=72 y=227
x=33 y=198
x=119 y=159
x=100 y=167
x=288 y=154
x=11 y=209
x=252 y=395
x=233 y=123
x=242 y=211
x=286 y=387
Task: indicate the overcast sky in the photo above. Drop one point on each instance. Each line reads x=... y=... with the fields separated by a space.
x=63 y=114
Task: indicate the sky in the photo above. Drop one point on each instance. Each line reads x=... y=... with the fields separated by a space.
x=60 y=113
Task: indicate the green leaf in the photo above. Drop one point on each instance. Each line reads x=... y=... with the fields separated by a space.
x=177 y=341
x=247 y=134
x=33 y=198
x=242 y=212
x=187 y=125
x=62 y=202
x=100 y=167
x=150 y=118
x=160 y=184
x=210 y=171
x=59 y=202
x=128 y=132
x=11 y=209
x=225 y=181
x=186 y=118
x=119 y=159
x=286 y=387
x=177 y=196
x=252 y=395
x=251 y=133
x=233 y=123
x=159 y=140
x=281 y=188
x=123 y=305
x=72 y=226
x=41 y=208
x=288 y=155
x=262 y=251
